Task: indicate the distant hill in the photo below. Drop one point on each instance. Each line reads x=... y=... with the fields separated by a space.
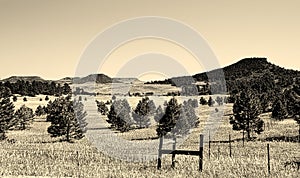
x=249 y=67
x=243 y=69
x=98 y=78
x=67 y=80
x=14 y=79
x=126 y=80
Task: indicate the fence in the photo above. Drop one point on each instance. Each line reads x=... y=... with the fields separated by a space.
x=263 y=152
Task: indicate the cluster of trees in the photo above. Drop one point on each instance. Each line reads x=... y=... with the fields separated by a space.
x=119 y=115
x=219 y=100
x=287 y=104
x=26 y=88
x=176 y=118
x=248 y=106
x=9 y=119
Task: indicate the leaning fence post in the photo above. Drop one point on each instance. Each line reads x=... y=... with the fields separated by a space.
x=159 y=152
x=201 y=153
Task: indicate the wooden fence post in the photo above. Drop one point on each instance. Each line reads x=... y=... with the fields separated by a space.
x=299 y=134
x=229 y=145
x=159 y=152
x=173 y=154
x=77 y=154
x=201 y=153
x=268 y=149
x=209 y=145
x=243 y=138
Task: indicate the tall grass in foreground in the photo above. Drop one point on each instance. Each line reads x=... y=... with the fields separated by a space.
x=35 y=153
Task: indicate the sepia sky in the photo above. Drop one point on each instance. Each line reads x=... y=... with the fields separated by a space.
x=47 y=37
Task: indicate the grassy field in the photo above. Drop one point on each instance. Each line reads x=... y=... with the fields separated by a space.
x=35 y=153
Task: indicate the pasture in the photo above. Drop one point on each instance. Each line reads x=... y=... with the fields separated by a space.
x=35 y=153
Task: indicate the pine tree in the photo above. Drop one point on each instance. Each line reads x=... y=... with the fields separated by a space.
x=246 y=111
x=7 y=119
x=144 y=109
x=40 y=111
x=168 y=121
x=24 y=116
x=159 y=113
x=279 y=112
x=112 y=116
x=186 y=121
x=15 y=98
x=102 y=108
x=119 y=115
x=210 y=102
x=47 y=98
x=67 y=119
x=219 y=100
x=193 y=103
x=203 y=101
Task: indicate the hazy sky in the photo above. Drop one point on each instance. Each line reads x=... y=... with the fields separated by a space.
x=47 y=37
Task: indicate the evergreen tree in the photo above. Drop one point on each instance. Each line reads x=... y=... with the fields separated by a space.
x=168 y=121
x=144 y=109
x=158 y=114
x=7 y=119
x=246 y=111
x=40 y=111
x=102 y=108
x=15 y=98
x=119 y=115
x=210 y=102
x=203 y=101
x=193 y=103
x=219 y=100
x=47 y=98
x=67 y=119
x=66 y=89
x=112 y=116
x=24 y=99
x=24 y=116
x=279 y=112
x=186 y=121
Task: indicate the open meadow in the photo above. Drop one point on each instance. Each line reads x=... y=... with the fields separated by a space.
x=35 y=153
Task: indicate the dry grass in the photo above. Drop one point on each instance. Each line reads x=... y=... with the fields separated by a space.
x=35 y=153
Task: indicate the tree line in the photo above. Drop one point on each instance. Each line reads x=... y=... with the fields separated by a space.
x=26 y=88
